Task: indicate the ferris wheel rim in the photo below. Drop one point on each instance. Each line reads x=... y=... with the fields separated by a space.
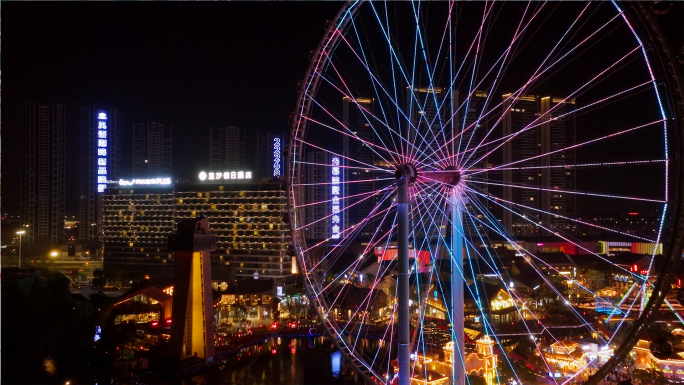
x=299 y=124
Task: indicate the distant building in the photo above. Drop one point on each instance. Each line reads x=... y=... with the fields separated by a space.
x=530 y=178
x=226 y=148
x=100 y=138
x=152 y=143
x=358 y=120
x=317 y=190
x=42 y=172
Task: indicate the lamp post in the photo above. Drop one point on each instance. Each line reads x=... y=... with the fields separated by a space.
x=20 y=233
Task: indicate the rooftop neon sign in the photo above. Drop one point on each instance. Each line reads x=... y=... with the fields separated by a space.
x=226 y=175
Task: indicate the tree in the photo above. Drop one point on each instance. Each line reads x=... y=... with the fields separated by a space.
x=650 y=376
x=239 y=312
x=294 y=302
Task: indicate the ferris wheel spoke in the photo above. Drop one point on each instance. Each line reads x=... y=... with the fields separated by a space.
x=364 y=111
x=375 y=89
x=540 y=224
x=343 y=166
x=537 y=74
x=479 y=305
x=579 y=317
x=572 y=147
x=546 y=114
x=344 y=197
x=344 y=182
x=576 y=220
x=568 y=166
x=351 y=133
x=416 y=14
x=342 y=210
x=574 y=192
x=449 y=93
x=394 y=101
x=340 y=155
x=561 y=116
x=520 y=90
x=492 y=88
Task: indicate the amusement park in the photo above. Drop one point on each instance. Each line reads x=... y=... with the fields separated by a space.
x=466 y=193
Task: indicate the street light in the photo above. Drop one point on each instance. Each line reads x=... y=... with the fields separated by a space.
x=54 y=254
x=20 y=233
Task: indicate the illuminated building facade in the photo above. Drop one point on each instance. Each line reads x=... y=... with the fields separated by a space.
x=151 y=149
x=552 y=133
x=247 y=219
x=227 y=148
x=42 y=172
x=318 y=189
x=192 y=332
x=99 y=131
x=357 y=118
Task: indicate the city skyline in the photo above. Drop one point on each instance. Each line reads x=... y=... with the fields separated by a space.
x=225 y=92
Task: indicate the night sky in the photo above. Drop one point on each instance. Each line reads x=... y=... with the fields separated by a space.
x=189 y=65
x=186 y=65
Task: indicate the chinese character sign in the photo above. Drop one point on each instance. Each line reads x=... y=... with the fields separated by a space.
x=336 y=192
x=101 y=157
x=277 y=150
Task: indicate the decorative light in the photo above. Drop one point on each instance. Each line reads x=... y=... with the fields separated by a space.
x=336 y=192
x=101 y=159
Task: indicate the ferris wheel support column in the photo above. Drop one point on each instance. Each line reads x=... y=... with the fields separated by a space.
x=403 y=289
x=457 y=336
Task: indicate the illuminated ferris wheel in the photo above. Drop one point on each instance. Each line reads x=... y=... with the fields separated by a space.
x=453 y=168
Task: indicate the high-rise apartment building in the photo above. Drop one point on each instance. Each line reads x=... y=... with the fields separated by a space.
x=270 y=155
x=151 y=150
x=227 y=148
x=547 y=131
x=42 y=172
x=100 y=137
x=318 y=189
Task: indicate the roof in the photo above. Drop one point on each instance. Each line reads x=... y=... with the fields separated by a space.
x=352 y=296
x=555 y=258
x=161 y=281
x=254 y=286
x=150 y=291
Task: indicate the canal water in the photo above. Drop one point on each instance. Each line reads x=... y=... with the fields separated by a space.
x=284 y=361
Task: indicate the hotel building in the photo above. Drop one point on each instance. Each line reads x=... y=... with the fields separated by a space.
x=246 y=217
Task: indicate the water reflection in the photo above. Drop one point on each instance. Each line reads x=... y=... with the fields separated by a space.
x=297 y=361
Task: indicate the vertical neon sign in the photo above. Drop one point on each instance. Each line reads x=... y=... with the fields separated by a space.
x=336 y=215
x=277 y=150
x=101 y=151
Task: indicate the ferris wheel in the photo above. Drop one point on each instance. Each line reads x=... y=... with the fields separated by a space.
x=463 y=178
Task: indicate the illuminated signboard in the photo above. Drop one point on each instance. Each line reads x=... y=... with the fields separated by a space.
x=227 y=175
x=153 y=181
x=336 y=192
x=101 y=158
x=277 y=151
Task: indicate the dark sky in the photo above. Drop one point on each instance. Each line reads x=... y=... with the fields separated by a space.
x=187 y=64
x=179 y=63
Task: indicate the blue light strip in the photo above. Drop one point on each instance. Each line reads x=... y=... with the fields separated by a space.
x=277 y=151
